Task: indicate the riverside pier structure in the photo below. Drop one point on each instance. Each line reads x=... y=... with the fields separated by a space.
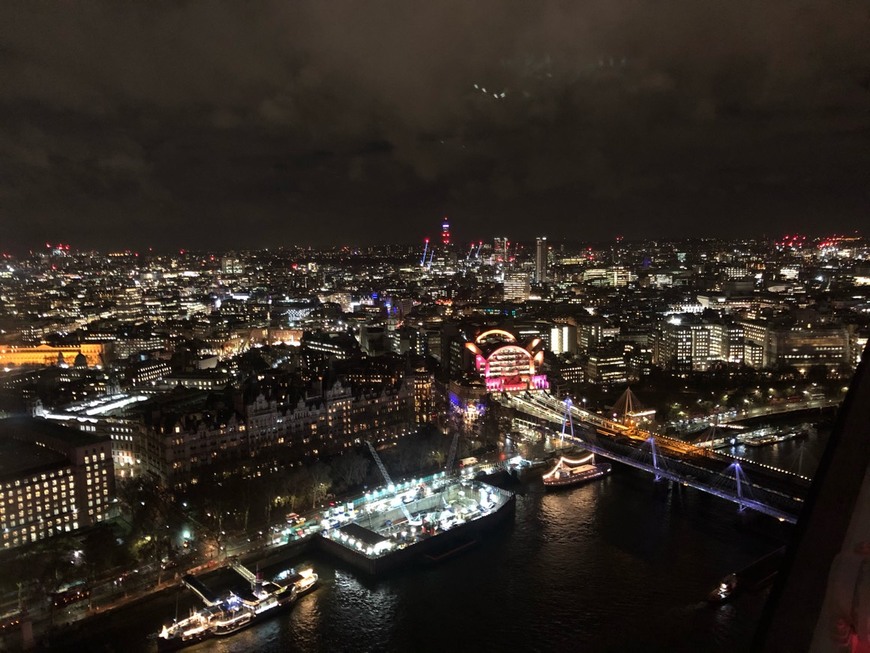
x=417 y=521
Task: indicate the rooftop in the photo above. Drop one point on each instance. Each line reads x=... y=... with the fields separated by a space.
x=27 y=428
x=19 y=458
x=369 y=537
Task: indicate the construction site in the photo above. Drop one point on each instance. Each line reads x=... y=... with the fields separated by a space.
x=426 y=522
x=425 y=519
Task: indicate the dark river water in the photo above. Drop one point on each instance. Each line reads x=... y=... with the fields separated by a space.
x=621 y=564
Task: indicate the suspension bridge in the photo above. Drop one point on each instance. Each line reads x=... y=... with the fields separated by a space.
x=770 y=490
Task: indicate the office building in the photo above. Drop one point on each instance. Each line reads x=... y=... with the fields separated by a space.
x=541 y=255
x=53 y=479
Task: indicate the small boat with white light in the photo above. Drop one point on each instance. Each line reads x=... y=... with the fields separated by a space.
x=753 y=577
x=303 y=580
x=186 y=632
x=524 y=470
x=568 y=472
x=725 y=590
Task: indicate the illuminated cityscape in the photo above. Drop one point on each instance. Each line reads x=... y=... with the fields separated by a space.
x=181 y=406
x=434 y=327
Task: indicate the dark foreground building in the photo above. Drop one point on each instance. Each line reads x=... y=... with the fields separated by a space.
x=821 y=600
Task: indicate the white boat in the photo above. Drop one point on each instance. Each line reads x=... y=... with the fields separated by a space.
x=573 y=472
x=234 y=612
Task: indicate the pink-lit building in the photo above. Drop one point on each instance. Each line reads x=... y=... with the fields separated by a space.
x=507 y=365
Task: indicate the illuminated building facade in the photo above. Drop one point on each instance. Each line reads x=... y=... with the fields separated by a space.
x=801 y=345
x=231 y=265
x=726 y=342
x=606 y=367
x=424 y=396
x=504 y=364
x=516 y=286
x=124 y=347
x=594 y=333
x=46 y=355
x=53 y=480
x=563 y=339
x=175 y=442
x=682 y=346
x=199 y=380
x=145 y=372
x=318 y=348
x=688 y=343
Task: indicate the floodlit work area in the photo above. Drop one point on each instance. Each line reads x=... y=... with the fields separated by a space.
x=381 y=524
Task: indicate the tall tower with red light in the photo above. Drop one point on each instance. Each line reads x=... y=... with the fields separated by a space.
x=445 y=232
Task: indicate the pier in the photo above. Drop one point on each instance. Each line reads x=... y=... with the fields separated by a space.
x=757 y=437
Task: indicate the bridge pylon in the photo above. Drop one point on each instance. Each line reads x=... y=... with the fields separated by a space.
x=655 y=457
x=737 y=473
x=567 y=420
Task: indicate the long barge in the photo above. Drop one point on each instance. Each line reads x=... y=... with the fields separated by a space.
x=445 y=520
x=225 y=616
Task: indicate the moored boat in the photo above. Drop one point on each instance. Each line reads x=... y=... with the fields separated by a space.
x=569 y=472
x=524 y=470
x=303 y=580
x=234 y=612
x=186 y=632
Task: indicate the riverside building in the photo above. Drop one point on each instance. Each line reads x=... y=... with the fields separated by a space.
x=53 y=480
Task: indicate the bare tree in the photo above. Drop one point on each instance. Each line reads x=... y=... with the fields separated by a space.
x=320 y=482
x=349 y=469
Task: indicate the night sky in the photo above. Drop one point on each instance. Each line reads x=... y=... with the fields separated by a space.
x=209 y=124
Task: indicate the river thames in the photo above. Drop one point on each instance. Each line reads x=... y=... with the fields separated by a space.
x=620 y=564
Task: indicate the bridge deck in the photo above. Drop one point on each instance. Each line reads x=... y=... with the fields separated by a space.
x=675 y=460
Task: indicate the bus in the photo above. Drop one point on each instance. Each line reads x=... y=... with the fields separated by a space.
x=78 y=591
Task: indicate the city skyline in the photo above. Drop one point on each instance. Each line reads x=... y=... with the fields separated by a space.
x=213 y=126
x=173 y=412
x=415 y=326
x=487 y=242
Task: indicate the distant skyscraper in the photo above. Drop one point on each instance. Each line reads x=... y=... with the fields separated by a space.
x=231 y=265
x=445 y=233
x=516 y=286
x=541 y=260
x=563 y=339
x=500 y=250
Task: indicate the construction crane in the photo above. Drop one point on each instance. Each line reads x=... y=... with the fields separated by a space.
x=451 y=457
x=425 y=252
x=389 y=481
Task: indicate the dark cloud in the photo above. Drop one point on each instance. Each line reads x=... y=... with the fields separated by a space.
x=227 y=123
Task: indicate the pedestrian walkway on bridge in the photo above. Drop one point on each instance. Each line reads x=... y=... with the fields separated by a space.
x=764 y=488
